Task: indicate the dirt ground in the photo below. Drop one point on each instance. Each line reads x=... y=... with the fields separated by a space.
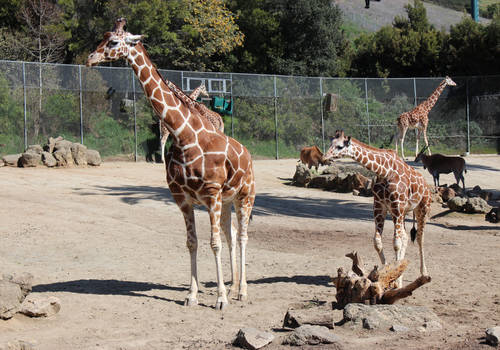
x=110 y=243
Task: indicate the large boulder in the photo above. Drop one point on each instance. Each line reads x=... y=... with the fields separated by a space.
x=12 y=159
x=79 y=153
x=11 y=297
x=446 y=193
x=30 y=159
x=302 y=175
x=62 y=144
x=48 y=159
x=40 y=306
x=477 y=205
x=252 y=339
x=311 y=335
x=63 y=156
x=93 y=157
x=49 y=147
x=457 y=203
x=386 y=316
x=35 y=149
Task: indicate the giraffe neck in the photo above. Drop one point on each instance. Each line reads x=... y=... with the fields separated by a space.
x=171 y=105
x=196 y=93
x=374 y=159
x=432 y=99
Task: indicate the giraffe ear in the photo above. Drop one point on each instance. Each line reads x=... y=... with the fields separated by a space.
x=347 y=143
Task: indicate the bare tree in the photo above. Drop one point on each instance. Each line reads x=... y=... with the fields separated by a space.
x=46 y=40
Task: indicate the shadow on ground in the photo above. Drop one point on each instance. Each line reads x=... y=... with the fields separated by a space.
x=265 y=203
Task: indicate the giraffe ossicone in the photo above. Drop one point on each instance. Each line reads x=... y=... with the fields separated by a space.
x=418 y=118
x=204 y=166
x=398 y=190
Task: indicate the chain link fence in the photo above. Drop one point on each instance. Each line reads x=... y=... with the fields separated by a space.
x=273 y=116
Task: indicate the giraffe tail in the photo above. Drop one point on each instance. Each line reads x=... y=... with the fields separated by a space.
x=413 y=231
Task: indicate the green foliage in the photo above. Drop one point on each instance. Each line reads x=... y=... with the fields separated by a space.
x=491 y=11
x=11 y=119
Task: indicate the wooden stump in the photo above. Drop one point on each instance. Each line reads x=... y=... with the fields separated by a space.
x=376 y=287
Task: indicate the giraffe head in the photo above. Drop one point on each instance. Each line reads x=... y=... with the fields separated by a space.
x=115 y=45
x=203 y=90
x=340 y=146
x=449 y=81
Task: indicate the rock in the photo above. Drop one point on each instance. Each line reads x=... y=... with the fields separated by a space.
x=477 y=205
x=493 y=215
x=311 y=335
x=446 y=193
x=40 y=306
x=93 y=157
x=399 y=329
x=493 y=335
x=18 y=345
x=62 y=144
x=302 y=175
x=386 y=316
x=30 y=159
x=35 y=149
x=63 y=156
x=432 y=326
x=371 y=323
x=251 y=338
x=48 y=159
x=311 y=316
x=11 y=297
x=79 y=153
x=320 y=181
x=12 y=159
x=25 y=282
x=457 y=203
x=49 y=147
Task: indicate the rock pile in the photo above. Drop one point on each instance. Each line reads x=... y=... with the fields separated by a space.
x=15 y=297
x=338 y=177
x=56 y=153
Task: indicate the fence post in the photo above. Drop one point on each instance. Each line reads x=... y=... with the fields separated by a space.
x=25 y=117
x=276 y=117
x=321 y=109
x=135 y=117
x=81 y=104
x=232 y=101
x=468 y=114
x=367 y=111
x=415 y=92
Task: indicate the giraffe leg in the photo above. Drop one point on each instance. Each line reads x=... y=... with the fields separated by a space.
x=417 y=137
x=163 y=141
x=402 y=141
x=421 y=213
x=230 y=232
x=400 y=240
x=214 y=206
x=243 y=208
x=379 y=212
x=192 y=245
x=425 y=139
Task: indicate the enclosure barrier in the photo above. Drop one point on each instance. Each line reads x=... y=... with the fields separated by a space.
x=273 y=116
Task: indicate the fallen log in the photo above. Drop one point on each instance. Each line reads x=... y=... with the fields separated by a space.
x=376 y=287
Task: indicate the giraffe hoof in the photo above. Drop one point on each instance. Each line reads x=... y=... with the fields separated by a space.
x=190 y=302
x=220 y=305
x=242 y=297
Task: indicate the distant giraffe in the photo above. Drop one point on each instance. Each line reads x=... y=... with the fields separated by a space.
x=398 y=189
x=418 y=117
x=204 y=166
x=200 y=90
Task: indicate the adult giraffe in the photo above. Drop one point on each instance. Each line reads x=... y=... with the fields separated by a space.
x=203 y=165
x=164 y=133
x=418 y=118
x=398 y=189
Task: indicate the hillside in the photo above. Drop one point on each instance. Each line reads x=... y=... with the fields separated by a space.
x=382 y=13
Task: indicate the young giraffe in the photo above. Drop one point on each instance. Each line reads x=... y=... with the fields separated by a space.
x=203 y=165
x=200 y=90
x=398 y=189
x=418 y=118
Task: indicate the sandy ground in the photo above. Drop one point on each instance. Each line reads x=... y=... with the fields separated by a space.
x=110 y=243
